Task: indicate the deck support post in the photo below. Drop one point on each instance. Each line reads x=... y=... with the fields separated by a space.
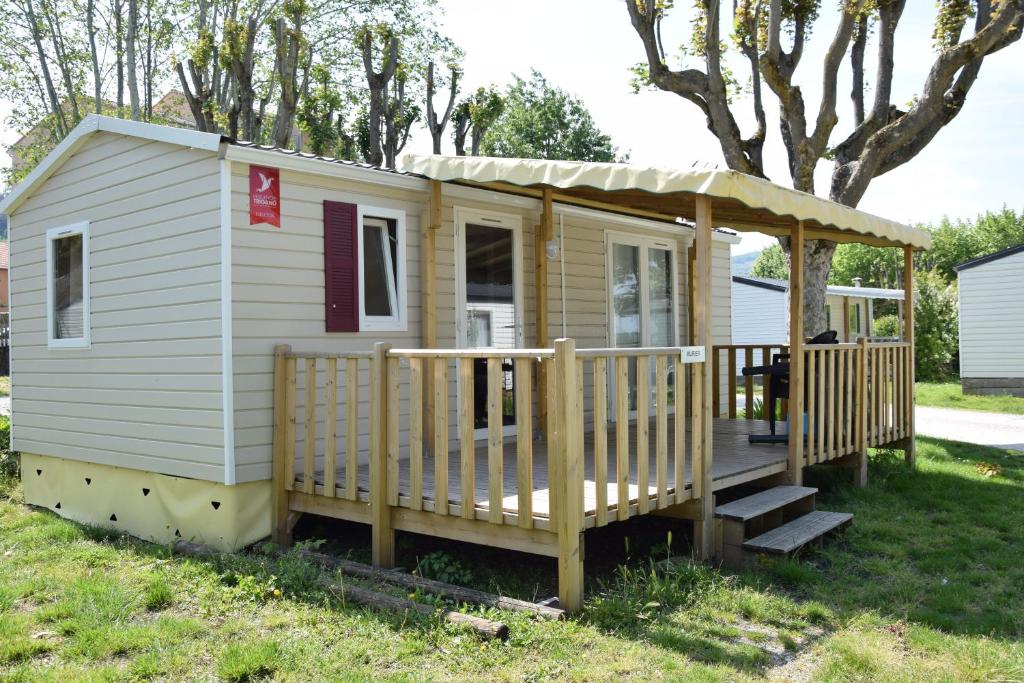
x=279 y=528
x=568 y=477
x=908 y=332
x=860 y=472
x=383 y=532
x=796 y=355
x=846 y=319
x=428 y=268
x=544 y=233
x=704 y=541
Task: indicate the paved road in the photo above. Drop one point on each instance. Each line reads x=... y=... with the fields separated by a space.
x=971 y=426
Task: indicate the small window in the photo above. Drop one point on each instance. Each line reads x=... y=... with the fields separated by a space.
x=67 y=286
x=382 y=269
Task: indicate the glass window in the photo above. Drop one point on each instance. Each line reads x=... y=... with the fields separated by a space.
x=380 y=286
x=382 y=281
x=68 y=286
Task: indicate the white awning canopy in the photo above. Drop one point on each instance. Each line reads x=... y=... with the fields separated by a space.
x=741 y=202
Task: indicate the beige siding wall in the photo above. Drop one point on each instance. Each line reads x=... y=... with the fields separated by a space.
x=147 y=394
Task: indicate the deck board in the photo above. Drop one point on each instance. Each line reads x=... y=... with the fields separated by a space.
x=734 y=459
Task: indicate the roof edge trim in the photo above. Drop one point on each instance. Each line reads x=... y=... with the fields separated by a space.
x=988 y=258
x=94 y=123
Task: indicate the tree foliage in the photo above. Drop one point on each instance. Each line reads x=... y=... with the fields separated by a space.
x=772 y=263
x=542 y=121
x=936 y=326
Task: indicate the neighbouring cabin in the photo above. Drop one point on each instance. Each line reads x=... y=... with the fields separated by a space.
x=991 y=299
x=211 y=338
x=760 y=310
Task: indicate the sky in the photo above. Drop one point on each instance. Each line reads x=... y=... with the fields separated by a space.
x=587 y=47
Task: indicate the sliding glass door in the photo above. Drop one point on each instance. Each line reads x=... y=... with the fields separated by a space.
x=642 y=296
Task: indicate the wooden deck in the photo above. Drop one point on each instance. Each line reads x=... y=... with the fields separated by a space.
x=735 y=461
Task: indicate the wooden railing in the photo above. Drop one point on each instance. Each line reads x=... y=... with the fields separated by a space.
x=611 y=371
x=858 y=395
x=737 y=357
x=889 y=392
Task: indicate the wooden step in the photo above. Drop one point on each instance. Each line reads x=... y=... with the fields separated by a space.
x=799 y=532
x=762 y=503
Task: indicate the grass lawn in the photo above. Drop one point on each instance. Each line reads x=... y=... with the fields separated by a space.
x=928 y=584
x=949 y=395
x=5 y=385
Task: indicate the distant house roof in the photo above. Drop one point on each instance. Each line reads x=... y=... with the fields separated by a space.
x=4 y=254
x=837 y=290
x=989 y=258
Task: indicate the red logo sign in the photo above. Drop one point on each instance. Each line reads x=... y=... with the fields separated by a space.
x=264 y=196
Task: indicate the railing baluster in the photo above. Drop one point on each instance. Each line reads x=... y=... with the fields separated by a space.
x=716 y=382
x=495 y=429
x=661 y=426
x=643 y=397
x=829 y=356
x=820 y=455
x=524 y=441
x=289 y=427
x=622 y=435
x=766 y=385
x=416 y=433
x=331 y=427
x=810 y=408
x=748 y=385
x=467 y=439
x=601 y=439
x=838 y=441
x=394 y=443
x=309 y=456
x=697 y=430
x=441 y=436
x=351 y=428
x=679 y=446
x=731 y=354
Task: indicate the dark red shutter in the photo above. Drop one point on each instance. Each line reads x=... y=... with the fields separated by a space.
x=341 y=267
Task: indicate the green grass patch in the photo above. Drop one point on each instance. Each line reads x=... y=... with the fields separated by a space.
x=926 y=585
x=950 y=395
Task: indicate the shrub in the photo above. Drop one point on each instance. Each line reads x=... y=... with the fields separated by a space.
x=8 y=460
x=887 y=326
x=936 y=327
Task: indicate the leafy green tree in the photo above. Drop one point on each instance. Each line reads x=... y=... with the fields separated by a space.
x=474 y=117
x=875 y=266
x=936 y=327
x=954 y=242
x=542 y=121
x=771 y=263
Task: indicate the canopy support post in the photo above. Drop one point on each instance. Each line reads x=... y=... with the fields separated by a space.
x=544 y=233
x=908 y=335
x=704 y=527
x=795 y=463
x=428 y=293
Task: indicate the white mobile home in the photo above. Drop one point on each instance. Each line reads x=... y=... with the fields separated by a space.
x=211 y=338
x=991 y=292
x=148 y=308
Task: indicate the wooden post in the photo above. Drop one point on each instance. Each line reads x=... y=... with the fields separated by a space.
x=908 y=326
x=383 y=534
x=545 y=232
x=569 y=478
x=279 y=495
x=691 y=277
x=428 y=294
x=860 y=473
x=846 y=319
x=796 y=355
x=704 y=528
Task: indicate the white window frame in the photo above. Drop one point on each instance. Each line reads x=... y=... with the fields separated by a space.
x=643 y=243
x=399 y=322
x=52 y=235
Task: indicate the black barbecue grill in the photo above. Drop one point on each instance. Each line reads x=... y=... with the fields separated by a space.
x=777 y=376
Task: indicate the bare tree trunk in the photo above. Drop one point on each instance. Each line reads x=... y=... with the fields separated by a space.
x=287 y=42
x=461 y=124
x=130 y=40
x=435 y=126
x=97 y=77
x=119 y=54
x=377 y=82
x=51 y=91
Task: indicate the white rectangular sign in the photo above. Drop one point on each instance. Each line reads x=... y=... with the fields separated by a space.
x=692 y=354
